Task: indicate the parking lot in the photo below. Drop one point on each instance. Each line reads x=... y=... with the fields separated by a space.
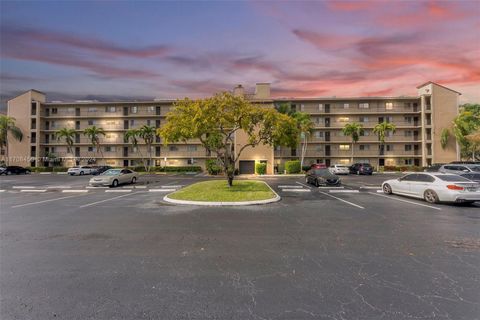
x=72 y=252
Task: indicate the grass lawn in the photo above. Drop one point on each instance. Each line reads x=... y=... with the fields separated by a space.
x=218 y=190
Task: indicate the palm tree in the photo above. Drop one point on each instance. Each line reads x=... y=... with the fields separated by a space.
x=148 y=133
x=305 y=126
x=381 y=130
x=7 y=126
x=68 y=135
x=93 y=133
x=353 y=130
x=444 y=138
x=132 y=136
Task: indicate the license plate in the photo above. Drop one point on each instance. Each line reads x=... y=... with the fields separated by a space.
x=472 y=189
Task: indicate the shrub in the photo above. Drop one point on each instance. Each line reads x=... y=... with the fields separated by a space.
x=403 y=168
x=260 y=168
x=293 y=166
x=305 y=168
x=182 y=169
x=212 y=167
x=47 y=169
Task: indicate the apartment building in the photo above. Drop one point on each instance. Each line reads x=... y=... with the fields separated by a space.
x=419 y=121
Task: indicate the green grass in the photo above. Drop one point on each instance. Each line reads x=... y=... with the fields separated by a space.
x=218 y=190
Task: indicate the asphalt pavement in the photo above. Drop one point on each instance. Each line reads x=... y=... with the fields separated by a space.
x=320 y=253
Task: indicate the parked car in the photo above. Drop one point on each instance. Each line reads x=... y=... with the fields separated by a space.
x=14 y=170
x=459 y=168
x=361 y=168
x=114 y=177
x=471 y=176
x=434 y=187
x=339 y=169
x=80 y=170
x=434 y=167
x=100 y=169
x=318 y=166
x=466 y=162
x=319 y=177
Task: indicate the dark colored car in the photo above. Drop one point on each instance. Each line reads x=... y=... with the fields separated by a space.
x=361 y=168
x=100 y=169
x=471 y=176
x=434 y=167
x=14 y=170
x=319 y=177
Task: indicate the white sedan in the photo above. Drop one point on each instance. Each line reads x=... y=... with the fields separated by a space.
x=339 y=169
x=114 y=177
x=81 y=170
x=434 y=187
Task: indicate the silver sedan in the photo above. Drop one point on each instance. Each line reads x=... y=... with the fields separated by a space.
x=114 y=177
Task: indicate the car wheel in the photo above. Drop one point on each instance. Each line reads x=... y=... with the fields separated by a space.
x=306 y=180
x=430 y=196
x=27 y=171
x=9 y=172
x=387 y=189
x=358 y=172
x=81 y=173
x=114 y=183
x=316 y=183
x=134 y=180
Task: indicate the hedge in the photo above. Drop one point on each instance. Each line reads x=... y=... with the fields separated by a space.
x=260 y=168
x=403 y=168
x=47 y=169
x=293 y=166
x=212 y=167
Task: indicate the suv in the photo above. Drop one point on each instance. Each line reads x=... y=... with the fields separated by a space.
x=459 y=168
x=361 y=168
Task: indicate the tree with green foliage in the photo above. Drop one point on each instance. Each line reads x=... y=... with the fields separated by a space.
x=381 y=130
x=466 y=123
x=444 y=136
x=148 y=134
x=353 y=130
x=8 y=127
x=68 y=135
x=216 y=120
x=93 y=133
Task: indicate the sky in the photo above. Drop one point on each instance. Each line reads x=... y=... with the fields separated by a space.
x=118 y=50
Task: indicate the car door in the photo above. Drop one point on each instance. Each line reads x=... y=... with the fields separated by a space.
x=403 y=185
x=420 y=183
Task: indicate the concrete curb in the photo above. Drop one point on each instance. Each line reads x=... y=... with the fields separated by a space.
x=233 y=203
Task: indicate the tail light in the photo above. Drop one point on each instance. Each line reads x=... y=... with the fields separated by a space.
x=454 y=187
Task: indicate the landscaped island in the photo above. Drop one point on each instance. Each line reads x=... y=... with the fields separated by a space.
x=217 y=192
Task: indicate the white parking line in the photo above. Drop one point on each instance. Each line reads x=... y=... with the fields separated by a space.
x=348 y=202
x=33 y=190
x=169 y=186
x=303 y=185
x=38 y=202
x=62 y=172
x=379 y=191
x=23 y=187
x=369 y=187
x=59 y=187
x=402 y=200
x=295 y=190
x=162 y=190
x=2 y=190
x=92 y=187
x=331 y=187
x=288 y=186
x=74 y=191
x=101 y=201
x=119 y=190
x=140 y=187
x=45 y=173
x=343 y=191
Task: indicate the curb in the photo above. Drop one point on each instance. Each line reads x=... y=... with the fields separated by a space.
x=232 y=203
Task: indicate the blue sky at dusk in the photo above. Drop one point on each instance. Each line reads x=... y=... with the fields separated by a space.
x=144 y=49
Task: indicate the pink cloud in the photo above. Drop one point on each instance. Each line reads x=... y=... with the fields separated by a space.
x=350 y=5
x=325 y=40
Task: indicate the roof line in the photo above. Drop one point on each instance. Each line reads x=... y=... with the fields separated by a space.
x=432 y=82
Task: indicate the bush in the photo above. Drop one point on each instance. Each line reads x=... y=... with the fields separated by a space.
x=293 y=166
x=260 y=168
x=47 y=169
x=183 y=169
x=305 y=168
x=212 y=167
x=403 y=168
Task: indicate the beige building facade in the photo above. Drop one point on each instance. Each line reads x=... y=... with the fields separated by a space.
x=419 y=121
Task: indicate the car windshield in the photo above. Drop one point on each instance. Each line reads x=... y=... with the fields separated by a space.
x=341 y=166
x=452 y=177
x=322 y=172
x=475 y=168
x=471 y=175
x=366 y=165
x=112 y=172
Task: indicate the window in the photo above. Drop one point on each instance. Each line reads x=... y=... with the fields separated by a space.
x=344 y=147
x=320 y=107
x=149 y=122
x=90 y=149
x=363 y=119
x=409 y=177
x=408 y=162
x=110 y=149
x=364 y=105
x=319 y=148
x=319 y=120
x=423 y=177
x=110 y=109
x=365 y=133
x=70 y=110
x=388 y=119
x=33 y=124
x=173 y=148
x=343 y=119
x=319 y=134
x=191 y=148
x=157 y=123
x=364 y=147
x=191 y=161
x=91 y=122
x=346 y=105
x=92 y=109
x=54 y=110
x=389 y=134
x=389 y=105
x=132 y=123
x=389 y=147
x=408 y=119
x=150 y=109
x=408 y=133
x=408 y=147
x=133 y=109
x=302 y=107
x=157 y=151
x=110 y=123
x=53 y=125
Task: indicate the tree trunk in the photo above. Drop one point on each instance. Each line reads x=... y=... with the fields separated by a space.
x=7 y=162
x=352 y=151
